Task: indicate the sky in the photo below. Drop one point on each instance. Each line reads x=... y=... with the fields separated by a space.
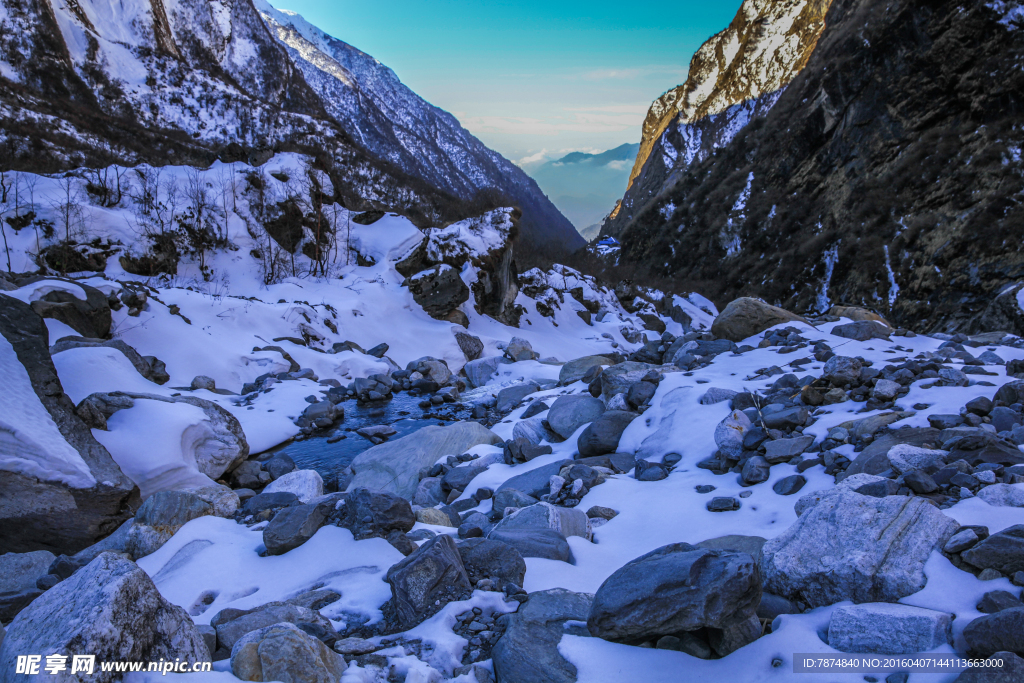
x=533 y=79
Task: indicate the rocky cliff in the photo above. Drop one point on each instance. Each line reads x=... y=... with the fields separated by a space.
x=887 y=173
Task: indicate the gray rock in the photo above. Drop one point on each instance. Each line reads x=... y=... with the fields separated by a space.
x=650 y=471
x=485 y=558
x=772 y=606
x=18 y=575
x=751 y=545
x=439 y=290
x=755 y=470
x=1006 y=495
x=874 y=459
x=569 y=413
x=233 y=624
x=847 y=546
x=534 y=482
x=862 y=330
x=1002 y=551
x=291 y=527
x=375 y=514
x=160 y=517
x=1010 y=669
x=603 y=434
x=885 y=390
x=306 y=484
x=618 y=378
x=520 y=349
x=640 y=394
x=993 y=633
x=458 y=478
x=111 y=609
x=544 y=543
x=533 y=431
x=784 y=450
x=787 y=486
x=678 y=587
x=428 y=492
x=727 y=640
x=566 y=521
x=842 y=370
x=786 y=419
x=394 y=466
x=960 y=541
x=919 y=482
x=574 y=370
x=479 y=371
x=425 y=581
x=471 y=346
x=528 y=651
x=997 y=601
x=269 y=501
x=283 y=652
x=889 y=629
x=149 y=370
x=510 y=397
x=745 y=317
x=715 y=395
x=510 y=498
x=723 y=504
x=1004 y=419
x=203 y=382
x=730 y=432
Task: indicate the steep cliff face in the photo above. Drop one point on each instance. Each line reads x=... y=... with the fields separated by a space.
x=735 y=76
x=888 y=173
x=88 y=82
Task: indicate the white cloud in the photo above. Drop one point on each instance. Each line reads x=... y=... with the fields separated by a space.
x=619 y=165
x=537 y=158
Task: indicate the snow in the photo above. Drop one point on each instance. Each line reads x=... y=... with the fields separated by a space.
x=830 y=256
x=30 y=442
x=894 y=288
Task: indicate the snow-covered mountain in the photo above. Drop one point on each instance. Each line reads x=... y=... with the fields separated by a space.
x=736 y=76
x=88 y=82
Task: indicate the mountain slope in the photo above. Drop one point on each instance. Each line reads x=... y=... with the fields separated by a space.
x=889 y=173
x=83 y=83
x=734 y=77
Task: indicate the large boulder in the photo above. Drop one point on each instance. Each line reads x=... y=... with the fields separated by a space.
x=993 y=633
x=283 y=652
x=160 y=517
x=569 y=413
x=678 y=587
x=603 y=434
x=533 y=542
x=485 y=558
x=575 y=369
x=889 y=629
x=619 y=378
x=874 y=459
x=111 y=609
x=566 y=521
x=394 y=466
x=745 y=317
x=535 y=482
x=439 y=290
x=60 y=489
x=528 y=651
x=848 y=546
x=426 y=581
x=305 y=484
x=1002 y=551
x=479 y=371
x=293 y=526
x=370 y=514
x=863 y=330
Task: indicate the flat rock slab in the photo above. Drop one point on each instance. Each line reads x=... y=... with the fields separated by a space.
x=890 y=629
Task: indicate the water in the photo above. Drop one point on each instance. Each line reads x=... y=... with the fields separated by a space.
x=402 y=412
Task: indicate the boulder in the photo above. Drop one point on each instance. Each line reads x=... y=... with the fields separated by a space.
x=233 y=624
x=874 y=459
x=283 y=652
x=425 y=581
x=90 y=317
x=888 y=629
x=1002 y=667
x=394 y=466
x=1006 y=495
x=602 y=436
x=60 y=490
x=544 y=543
x=532 y=483
x=787 y=486
x=715 y=395
x=784 y=450
x=848 y=546
x=111 y=609
x=291 y=527
x=569 y=413
x=745 y=317
x=574 y=370
x=755 y=470
x=160 y=517
x=458 y=478
x=730 y=432
x=486 y=558
x=510 y=397
x=471 y=346
x=479 y=371
x=439 y=290
x=618 y=378
x=842 y=370
x=528 y=651
x=18 y=575
x=1002 y=551
x=305 y=484
x=678 y=587
x=370 y=514
x=150 y=369
x=993 y=633
x=520 y=349
x=566 y=521
x=862 y=330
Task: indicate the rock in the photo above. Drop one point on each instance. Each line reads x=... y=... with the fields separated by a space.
x=375 y=514
x=874 y=459
x=425 y=581
x=723 y=504
x=232 y=625
x=997 y=601
x=1002 y=551
x=520 y=349
x=678 y=587
x=856 y=313
x=394 y=466
x=532 y=483
x=919 y=482
x=731 y=638
x=745 y=317
x=601 y=512
x=993 y=633
x=439 y=290
x=280 y=465
x=566 y=521
x=789 y=485
x=435 y=517
x=479 y=371
x=842 y=370
x=355 y=646
x=1001 y=667
x=979 y=406
x=862 y=330
x=160 y=517
x=111 y=609
x=847 y=546
x=889 y=629
x=602 y=436
x=1008 y=495
x=569 y=413
x=18 y=575
x=619 y=378
x=291 y=527
x=63 y=507
x=784 y=450
x=269 y=501
x=203 y=382
x=905 y=458
x=650 y=471
x=510 y=397
x=755 y=470
x=730 y=432
x=544 y=543
x=574 y=370
x=90 y=317
x=1004 y=419
x=715 y=395
x=944 y=421
x=458 y=478
x=528 y=651
x=283 y=652
x=306 y=484
x=1010 y=393
x=885 y=390
x=871 y=425
x=960 y=541
x=506 y=498
x=428 y=492
x=485 y=558
x=471 y=346
x=153 y=370
x=532 y=431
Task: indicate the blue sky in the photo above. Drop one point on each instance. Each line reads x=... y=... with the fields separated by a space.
x=531 y=77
